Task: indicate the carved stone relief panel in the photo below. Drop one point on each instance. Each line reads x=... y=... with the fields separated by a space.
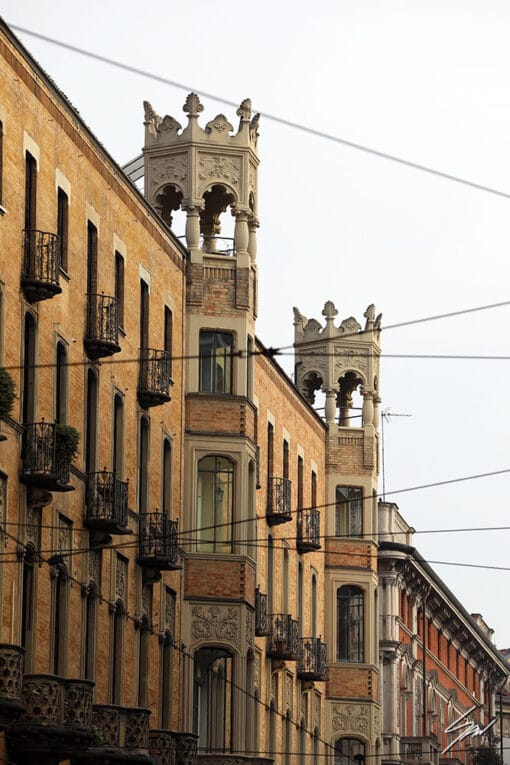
x=289 y=691
x=170 y=610
x=33 y=527
x=316 y=710
x=121 y=578
x=250 y=628
x=351 y=718
x=95 y=567
x=147 y=601
x=168 y=170
x=219 y=167
x=63 y=544
x=215 y=622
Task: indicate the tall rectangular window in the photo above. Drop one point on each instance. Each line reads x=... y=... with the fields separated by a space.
x=61 y=384
x=144 y=314
x=285 y=458
x=215 y=354
x=168 y=339
x=63 y=226
x=118 y=435
x=349 y=511
x=119 y=286
x=30 y=191
x=91 y=259
x=300 y=478
x=167 y=478
x=270 y=450
x=91 y=422
x=143 y=465
x=313 y=488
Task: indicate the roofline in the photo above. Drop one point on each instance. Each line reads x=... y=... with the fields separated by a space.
x=270 y=357
x=413 y=553
x=98 y=146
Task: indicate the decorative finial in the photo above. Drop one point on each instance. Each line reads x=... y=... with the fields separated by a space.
x=300 y=321
x=329 y=311
x=220 y=124
x=244 y=110
x=151 y=119
x=370 y=317
x=193 y=107
x=254 y=127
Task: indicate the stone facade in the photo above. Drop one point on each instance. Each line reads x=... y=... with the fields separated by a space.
x=200 y=578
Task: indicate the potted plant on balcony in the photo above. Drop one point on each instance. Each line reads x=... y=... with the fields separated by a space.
x=67 y=440
x=7 y=395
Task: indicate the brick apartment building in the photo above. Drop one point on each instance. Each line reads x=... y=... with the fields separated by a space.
x=200 y=578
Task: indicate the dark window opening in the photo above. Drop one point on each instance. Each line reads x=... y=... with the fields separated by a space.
x=216 y=362
x=63 y=226
x=119 y=286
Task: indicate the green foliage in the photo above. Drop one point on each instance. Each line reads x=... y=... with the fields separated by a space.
x=7 y=393
x=67 y=440
x=486 y=756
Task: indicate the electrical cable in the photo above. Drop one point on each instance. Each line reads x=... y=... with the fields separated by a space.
x=272 y=352
x=266 y=115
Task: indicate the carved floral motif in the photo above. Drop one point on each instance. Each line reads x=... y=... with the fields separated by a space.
x=120 y=577
x=168 y=169
x=215 y=621
x=351 y=718
x=220 y=167
x=220 y=123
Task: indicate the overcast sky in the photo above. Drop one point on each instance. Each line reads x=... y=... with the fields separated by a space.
x=427 y=81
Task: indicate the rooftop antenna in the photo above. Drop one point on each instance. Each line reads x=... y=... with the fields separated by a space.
x=386 y=416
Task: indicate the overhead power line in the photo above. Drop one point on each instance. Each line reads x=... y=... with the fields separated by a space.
x=266 y=115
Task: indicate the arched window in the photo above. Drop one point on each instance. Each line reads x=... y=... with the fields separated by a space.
x=349 y=511
x=143 y=662
x=349 y=751
x=212 y=699
x=349 y=620
x=215 y=504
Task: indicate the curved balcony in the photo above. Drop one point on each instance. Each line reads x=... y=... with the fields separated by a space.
x=186 y=748
x=154 y=380
x=102 y=328
x=278 y=501
x=11 y=680
x=312 y=664
x=308 y=531
x=41 y=265
x=162 y=746
x=157 y=544
x=45 y=463
x=262 y=620
x=284 y=638
x=121 y=734
x=106 y=503
x=56 y=722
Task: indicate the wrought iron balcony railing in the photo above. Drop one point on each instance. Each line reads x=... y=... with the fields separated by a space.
x=278 y=500
x=11 y=681
x=41 y=265
x=154 y=379
x=56 y=722
x=45 y=464
x=102 y=329
x=284 y=638
x=106 y=503
x=262 y=620
x=308 y=530
x=157 y=545
x=312 y=664
x=121 y=734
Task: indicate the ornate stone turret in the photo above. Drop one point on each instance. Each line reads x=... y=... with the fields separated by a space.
x=204 y=171
x=337 y=360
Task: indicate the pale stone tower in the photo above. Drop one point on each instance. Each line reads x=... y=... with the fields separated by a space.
x=340 y=360
x=206 y=171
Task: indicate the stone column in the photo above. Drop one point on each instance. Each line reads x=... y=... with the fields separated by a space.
x=368 y=407
x=330 y=407
x=241 y=233
x=192 y=230
x=253 y=224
